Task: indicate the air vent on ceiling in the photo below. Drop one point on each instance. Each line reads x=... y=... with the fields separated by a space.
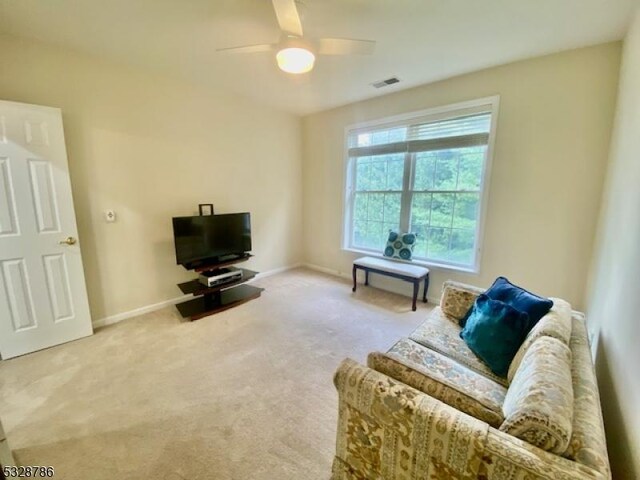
x=384 y=83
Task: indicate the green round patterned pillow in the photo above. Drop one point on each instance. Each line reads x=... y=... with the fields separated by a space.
x=400 y=244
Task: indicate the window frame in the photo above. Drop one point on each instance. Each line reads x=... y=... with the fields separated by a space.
x=487 y=104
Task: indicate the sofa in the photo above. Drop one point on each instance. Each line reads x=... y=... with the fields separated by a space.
x=430 y=409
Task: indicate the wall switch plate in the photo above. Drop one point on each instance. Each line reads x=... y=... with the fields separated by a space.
x=110 y=216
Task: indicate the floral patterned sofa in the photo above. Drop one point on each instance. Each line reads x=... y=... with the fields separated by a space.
x=430 y=409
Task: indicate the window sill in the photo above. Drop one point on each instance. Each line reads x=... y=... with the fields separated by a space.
x=437 y=266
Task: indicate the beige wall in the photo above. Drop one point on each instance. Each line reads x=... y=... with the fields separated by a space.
x=614 y=301
x=152 y=148
x=550 y=155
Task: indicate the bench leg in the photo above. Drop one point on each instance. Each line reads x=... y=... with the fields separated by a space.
x=354 y=278
x=366 y=277
x=416 y=288
x=426 y=288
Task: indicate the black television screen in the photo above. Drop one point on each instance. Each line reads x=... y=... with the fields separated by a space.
x=211 y=237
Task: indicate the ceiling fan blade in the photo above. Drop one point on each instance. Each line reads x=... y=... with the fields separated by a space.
x=263 y=47
x=345 y=46
x=288 y=17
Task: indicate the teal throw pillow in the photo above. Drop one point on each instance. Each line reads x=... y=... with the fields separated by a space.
x=533 y=305
x=400 y=245
x=494 y=332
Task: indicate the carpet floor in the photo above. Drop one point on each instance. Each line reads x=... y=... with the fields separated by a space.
x=244 y=394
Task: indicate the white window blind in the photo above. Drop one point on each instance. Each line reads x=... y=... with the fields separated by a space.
x=423 y=174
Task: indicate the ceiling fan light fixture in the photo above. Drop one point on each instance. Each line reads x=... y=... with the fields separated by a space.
x=295 y=60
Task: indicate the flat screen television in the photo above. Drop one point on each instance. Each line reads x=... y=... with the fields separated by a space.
x=211 y=238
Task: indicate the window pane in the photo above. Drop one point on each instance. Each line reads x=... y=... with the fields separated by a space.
x=462 y=244
x=446 y=175
x=363 y=173
x=420 y=208
x=451 y=169
x=367 y=234
x=397 y=134
x=395 y=171
x=442 y=209
x=470 y=169
x=392 y=208
x=451 y=245
x=360 y=207
x=379 y=172
x=359 y=232
x=431 y=218
x=425 y=170
x=379 y=137
x=374 y=215
x=465 y=213
x=438 y=243
x=376 y=235
x=375 y=209
x=420 y=249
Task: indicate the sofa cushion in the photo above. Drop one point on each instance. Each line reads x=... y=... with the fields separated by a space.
x=588 y=444
x=533 y=305
x=442 y=378
x=556 y=324
x=457 y=298
x=538 y=407
x=441 y=333
x=494 y=331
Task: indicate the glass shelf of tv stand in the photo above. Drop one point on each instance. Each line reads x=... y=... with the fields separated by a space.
x=196 y=288
x=225 y=263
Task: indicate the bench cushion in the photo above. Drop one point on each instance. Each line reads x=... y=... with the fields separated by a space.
x=391 y=266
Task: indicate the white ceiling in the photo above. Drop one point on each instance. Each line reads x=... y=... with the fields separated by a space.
x=419 y=41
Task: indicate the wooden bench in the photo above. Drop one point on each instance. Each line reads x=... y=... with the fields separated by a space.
x=390 y=268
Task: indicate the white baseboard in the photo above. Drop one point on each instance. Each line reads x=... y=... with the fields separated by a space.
x=328 y=271
x=336 y=273
x=118 y=317
x=275 y=271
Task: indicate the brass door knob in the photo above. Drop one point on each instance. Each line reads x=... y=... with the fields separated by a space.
x=68 y=241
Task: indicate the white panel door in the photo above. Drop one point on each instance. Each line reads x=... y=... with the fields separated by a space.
x=43 y=297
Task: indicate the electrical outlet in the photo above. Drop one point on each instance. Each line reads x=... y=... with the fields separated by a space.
x=110 y=216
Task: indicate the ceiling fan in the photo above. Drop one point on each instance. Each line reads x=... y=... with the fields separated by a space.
x=296 y=54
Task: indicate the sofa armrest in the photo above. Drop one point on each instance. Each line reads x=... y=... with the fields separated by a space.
x=457 y=298
x=385 y=428
x=388 y=430
x=506 y=453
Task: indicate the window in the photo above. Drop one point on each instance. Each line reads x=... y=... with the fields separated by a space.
x=423 y=173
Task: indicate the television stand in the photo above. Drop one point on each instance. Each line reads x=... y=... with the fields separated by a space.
x=211 y=300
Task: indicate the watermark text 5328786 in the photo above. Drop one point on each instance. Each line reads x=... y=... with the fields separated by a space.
x=29 y=471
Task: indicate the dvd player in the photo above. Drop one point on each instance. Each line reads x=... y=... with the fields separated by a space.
x=220 y=277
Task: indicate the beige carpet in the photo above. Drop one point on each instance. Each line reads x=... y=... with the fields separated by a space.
x=245 y=394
